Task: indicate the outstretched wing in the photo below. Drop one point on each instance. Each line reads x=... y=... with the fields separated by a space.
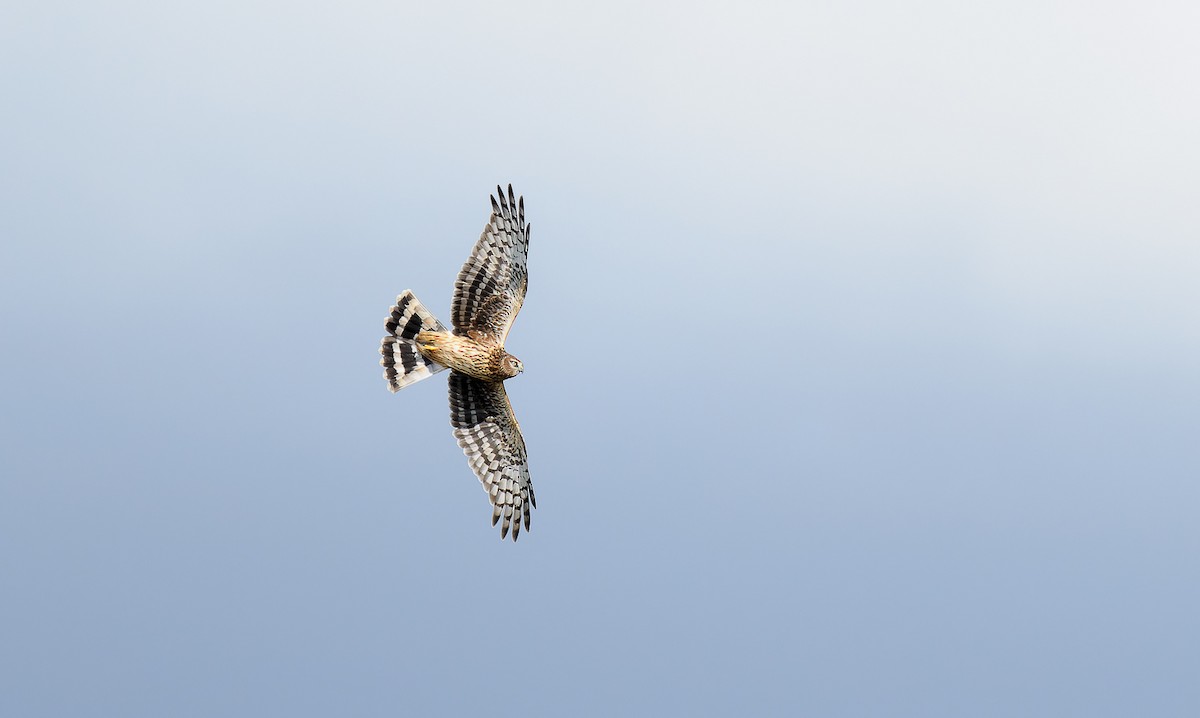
x=488 y=433
x=491 y=285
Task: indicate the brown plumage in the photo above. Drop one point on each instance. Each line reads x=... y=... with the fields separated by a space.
x=483 y=360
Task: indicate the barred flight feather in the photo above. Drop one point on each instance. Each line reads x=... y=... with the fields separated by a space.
x=491 y=286
x=402 y=363
x=490 y=437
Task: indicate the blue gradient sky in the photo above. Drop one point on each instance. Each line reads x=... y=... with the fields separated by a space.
x=861 y=357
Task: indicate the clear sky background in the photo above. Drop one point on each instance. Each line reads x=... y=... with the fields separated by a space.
x=862 y=359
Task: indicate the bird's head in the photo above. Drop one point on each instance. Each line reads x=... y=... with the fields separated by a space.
x=512 y=365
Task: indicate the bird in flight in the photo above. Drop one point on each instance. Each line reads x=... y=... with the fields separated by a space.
x=487 y=296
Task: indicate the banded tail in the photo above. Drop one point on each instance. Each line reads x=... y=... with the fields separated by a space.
x=402 y=363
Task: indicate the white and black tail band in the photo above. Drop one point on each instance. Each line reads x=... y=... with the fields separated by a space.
x=402 y=363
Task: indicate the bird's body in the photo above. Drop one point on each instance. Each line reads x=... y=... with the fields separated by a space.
x=479 y=359
x=488 y=294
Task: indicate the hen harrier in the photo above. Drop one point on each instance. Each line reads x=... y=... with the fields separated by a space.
x=487 y=297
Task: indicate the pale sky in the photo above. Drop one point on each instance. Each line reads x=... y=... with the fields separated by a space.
x=861 y=352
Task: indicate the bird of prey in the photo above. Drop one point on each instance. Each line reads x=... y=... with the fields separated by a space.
x=487 y=296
